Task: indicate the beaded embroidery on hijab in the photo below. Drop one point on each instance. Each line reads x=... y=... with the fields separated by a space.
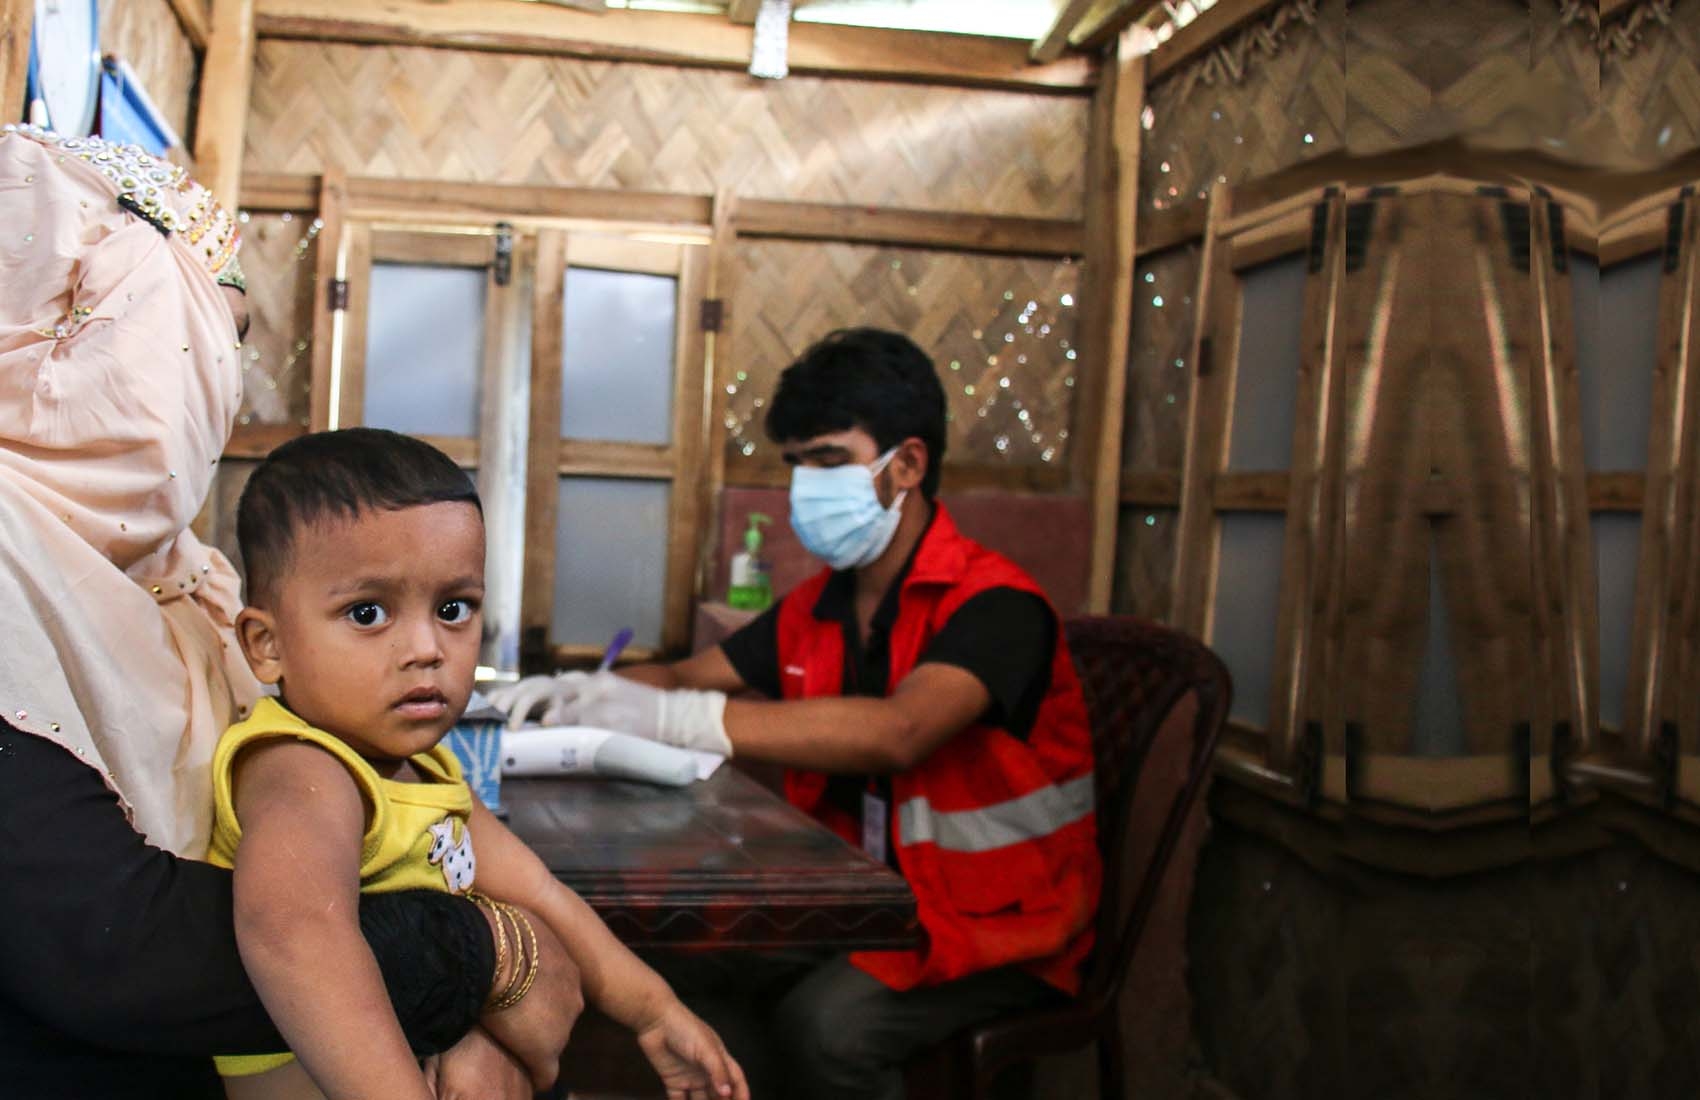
x=163 y=194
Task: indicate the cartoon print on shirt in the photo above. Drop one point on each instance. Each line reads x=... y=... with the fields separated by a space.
x=458 y=862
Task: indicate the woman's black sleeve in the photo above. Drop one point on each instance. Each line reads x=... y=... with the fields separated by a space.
x=122 y=945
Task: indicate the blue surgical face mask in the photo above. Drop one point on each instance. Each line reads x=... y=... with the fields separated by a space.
x=837 y=514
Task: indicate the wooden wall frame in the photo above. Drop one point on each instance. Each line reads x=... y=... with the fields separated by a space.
x=1308 y=617
x=1304 y=493
x=1206 y=486
x=17 y=19
x=1114 y=208
x=1565 y=593
x=329 y=265
x=1661 y=717
x=227 y=75
x=1593 y=753
x=537 y=605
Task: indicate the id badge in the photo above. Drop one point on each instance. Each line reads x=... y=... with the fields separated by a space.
x=874 y=819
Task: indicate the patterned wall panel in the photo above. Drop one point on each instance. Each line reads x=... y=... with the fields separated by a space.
x=1270 y=97
x=1564 y=76
x=1650 y=82
x=147 y=35
x=1001 y=331
x=444 y=114
x=277 y=257
x=1412 y=78
x=1158 y=378
x=1314 y=77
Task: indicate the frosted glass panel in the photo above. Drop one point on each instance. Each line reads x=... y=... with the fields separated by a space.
x=1248 y=590
x=424 y=349
x=1617 y=547
x=1437 y=721
x=610 y=560
x=617 y=360
x=1617 y=393
x=1266 y=384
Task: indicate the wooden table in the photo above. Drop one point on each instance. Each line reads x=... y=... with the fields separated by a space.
x=723 y=863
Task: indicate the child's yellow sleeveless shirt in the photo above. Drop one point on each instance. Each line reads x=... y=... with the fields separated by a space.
x=416 y=833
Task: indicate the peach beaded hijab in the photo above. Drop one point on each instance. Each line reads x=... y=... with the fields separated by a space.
x=118 y=385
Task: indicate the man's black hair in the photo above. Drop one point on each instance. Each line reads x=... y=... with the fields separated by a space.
x=336 y=475
x=863 y=378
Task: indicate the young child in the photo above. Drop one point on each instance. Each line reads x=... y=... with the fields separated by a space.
x=364 y=552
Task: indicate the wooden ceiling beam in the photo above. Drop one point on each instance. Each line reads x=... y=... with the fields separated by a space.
x=1050 y=45
x=743 y=12
x=193 y=17
x=221 y=123
x=1108 y=24
x=673 y=38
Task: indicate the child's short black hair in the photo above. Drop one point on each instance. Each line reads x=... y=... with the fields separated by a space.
x=863 y=378
x=340 y=473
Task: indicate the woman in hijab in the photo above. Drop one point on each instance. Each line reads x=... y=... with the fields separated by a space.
x=119 y=974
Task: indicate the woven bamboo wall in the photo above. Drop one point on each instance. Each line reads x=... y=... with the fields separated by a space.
x=1287 y=104
x=1650 y=83
x=1145 y=562
x=277 y=256
x=1158 y=381
x=147 y=35
x=1412 y=78
x=461 y=115
x=1313 y=77
x=1001 y=331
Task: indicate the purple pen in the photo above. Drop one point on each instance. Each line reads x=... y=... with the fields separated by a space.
x=612 y=653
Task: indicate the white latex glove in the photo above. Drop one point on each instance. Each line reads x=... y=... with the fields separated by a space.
x=544 y=696
x=683 y=718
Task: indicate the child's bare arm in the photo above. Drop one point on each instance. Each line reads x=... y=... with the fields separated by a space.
x=685 y=1051
x=297 y=884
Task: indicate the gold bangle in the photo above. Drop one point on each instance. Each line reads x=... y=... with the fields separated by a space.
x=535 y=960
x=489 y=906
x=529 y=959
x=509 y=994
x=514 y=918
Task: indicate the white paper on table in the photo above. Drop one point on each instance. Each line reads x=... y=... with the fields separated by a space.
x=587 y=750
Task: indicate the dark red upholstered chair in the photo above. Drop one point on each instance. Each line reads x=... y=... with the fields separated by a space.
x=1136 y=676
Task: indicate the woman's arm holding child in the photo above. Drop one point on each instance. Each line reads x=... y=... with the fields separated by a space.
x=688 y=1055
x=297 y=884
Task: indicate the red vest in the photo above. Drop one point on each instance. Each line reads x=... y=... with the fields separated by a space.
x=995 y=835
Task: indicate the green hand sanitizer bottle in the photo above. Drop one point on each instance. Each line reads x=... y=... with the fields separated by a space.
x=751 y=588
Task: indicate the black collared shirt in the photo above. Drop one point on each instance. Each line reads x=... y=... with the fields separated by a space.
x=1004 y=637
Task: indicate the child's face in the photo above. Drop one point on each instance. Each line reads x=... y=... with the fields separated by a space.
x=374 y=627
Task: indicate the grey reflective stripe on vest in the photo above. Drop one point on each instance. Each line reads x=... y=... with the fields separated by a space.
x=1036 y=814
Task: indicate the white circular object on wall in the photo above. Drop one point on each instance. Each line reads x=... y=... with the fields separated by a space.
x=65 y=44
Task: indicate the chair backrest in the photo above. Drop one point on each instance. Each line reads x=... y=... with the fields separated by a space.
x=1138 y=677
